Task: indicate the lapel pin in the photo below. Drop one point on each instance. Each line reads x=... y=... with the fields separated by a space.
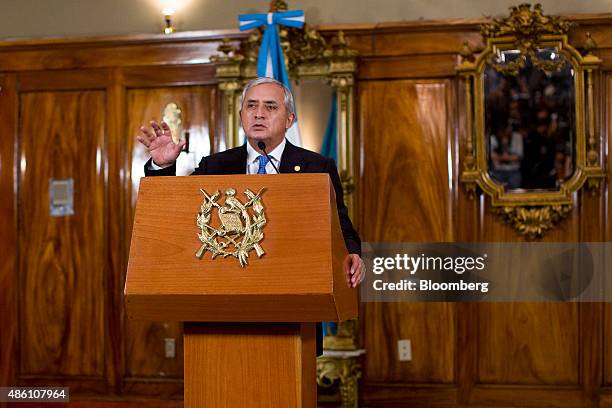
x=297 y=168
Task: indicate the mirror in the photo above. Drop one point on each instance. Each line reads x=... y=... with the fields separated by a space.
x=313 y=101
x=530 y=123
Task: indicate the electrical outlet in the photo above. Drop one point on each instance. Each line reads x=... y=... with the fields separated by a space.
x=404 y=350
x=170 y=347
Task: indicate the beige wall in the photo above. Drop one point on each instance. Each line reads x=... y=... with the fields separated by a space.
x=43 y=18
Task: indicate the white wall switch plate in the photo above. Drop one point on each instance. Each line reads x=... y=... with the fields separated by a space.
x=404 y=350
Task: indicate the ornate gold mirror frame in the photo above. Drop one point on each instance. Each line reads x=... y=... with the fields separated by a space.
x=530 y=212
x=308 y=55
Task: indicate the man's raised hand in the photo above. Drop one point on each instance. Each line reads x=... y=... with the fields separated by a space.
x=158 y=141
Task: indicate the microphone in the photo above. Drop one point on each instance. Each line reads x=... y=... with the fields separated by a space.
x=262 y=147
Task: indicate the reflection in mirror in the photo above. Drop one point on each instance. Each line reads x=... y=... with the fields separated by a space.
x=313 y=98
x=530 y=120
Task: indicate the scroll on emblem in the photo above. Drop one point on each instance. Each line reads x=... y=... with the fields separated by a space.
x=241 y=225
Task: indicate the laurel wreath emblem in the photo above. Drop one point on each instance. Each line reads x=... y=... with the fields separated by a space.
x=241 y=228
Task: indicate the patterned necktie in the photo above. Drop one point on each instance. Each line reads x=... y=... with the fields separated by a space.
x=263 y=160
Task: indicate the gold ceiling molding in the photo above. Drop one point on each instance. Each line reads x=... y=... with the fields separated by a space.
x=528 y=39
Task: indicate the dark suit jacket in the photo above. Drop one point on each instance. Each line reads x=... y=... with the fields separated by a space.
x=233 y=161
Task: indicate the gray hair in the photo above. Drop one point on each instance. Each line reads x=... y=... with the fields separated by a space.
x=288 y=99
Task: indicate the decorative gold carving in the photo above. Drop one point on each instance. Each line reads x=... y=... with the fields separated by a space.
x=591 y=63
x=514 y=67
x=534 y=221
x=526 y=27
x=348 y=186
x=340 y=47
x=592 y=156
x=342 y=82
x=530 y=212
x=470 y=189
x=469 y=161
x=594 y=183
x=346 y=371
x=278 y=5
x=173 y=116
x=229 y=86
x=466 y=52
x=302 y=45
x=589 y=44
x=232 y=234
x=228 y=62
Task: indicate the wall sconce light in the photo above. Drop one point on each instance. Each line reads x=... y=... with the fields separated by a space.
x=168 y=12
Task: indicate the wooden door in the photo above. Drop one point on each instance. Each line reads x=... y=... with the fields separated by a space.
x=61 y=263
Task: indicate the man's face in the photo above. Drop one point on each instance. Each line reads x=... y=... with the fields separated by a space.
x=264 y=116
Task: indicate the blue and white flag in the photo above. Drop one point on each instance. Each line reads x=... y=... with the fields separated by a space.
x=271 y=61
x=329 y=147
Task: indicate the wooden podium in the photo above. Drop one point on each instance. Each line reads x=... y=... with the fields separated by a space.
x=249 y=337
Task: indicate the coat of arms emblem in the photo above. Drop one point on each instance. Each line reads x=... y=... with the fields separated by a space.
x=240 y=225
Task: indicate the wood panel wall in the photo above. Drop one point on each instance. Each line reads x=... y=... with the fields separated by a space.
x=66 y=116
x=70 y=108
x=62 y=284
x=497 y=354
x=8 y=238
x=411 y=206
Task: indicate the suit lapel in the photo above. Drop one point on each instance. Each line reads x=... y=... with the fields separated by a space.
x=291 y=160
x=238 y=163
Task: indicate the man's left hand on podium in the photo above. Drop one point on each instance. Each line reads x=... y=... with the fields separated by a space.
x=354 y=268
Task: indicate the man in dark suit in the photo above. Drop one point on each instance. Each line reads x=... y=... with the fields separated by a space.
x=267 y=111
